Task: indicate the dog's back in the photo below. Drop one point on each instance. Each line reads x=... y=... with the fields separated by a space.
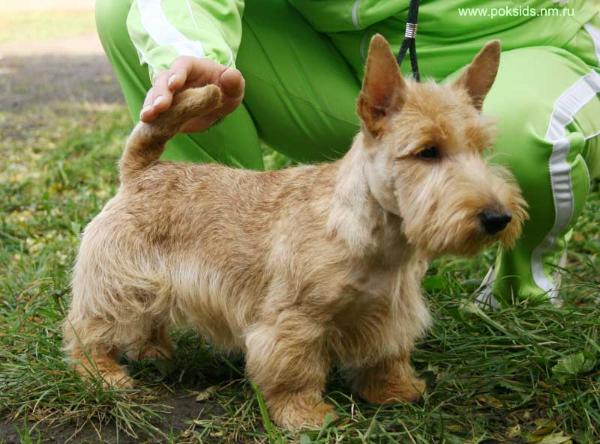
x=183 y=243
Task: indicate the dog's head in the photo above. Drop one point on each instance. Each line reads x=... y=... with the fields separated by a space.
x=425 y=143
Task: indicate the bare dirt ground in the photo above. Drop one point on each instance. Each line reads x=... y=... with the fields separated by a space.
x=184 y=409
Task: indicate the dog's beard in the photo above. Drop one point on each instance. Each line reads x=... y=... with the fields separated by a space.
x=458 y=235
x=441 y=206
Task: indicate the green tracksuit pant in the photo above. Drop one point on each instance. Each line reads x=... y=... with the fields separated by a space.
x=300 y=99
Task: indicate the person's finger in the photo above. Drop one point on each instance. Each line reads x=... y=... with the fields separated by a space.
x=146 y=114
x=232 y=83
x=192 y=71
x=149 y=98
x=147 y=103
x=163 y=95
x=158 y=99
x=201 y=72
x=178 y=74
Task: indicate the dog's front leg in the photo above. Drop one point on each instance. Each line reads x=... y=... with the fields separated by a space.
x=289 y=362
x=390 y=380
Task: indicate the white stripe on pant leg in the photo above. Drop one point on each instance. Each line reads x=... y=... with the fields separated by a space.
x=595 y=35
x=356 y=14
x=565 y=109
x=159 y=28
x=559 y=171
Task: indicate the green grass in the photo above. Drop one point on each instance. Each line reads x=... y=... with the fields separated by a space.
x=521 y=374
x=38 y=25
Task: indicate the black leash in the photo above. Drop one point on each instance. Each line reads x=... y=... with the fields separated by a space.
x=410 y=38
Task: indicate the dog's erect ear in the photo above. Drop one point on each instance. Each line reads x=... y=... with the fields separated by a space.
x=383 y=90
x=479 y=76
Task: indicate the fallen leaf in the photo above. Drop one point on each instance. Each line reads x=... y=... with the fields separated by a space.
x=207 y=393
x=556 y=438
x=575 y=364
x=514 y=432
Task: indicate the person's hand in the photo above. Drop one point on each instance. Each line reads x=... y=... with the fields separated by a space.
x=187 y=72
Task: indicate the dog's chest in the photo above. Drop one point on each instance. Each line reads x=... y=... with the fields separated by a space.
x=379 y=313
x=365 y=293
x=373 y=284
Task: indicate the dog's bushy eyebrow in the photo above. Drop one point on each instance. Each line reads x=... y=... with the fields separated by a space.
x=424 y=141
x=476 y=134
x=479 y=133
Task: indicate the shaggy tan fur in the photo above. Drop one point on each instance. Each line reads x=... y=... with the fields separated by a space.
x=304 y=268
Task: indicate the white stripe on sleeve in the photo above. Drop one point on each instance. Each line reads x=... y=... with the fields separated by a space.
x=159 y=28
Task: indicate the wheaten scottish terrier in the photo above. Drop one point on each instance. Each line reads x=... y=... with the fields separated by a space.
x=301 y=269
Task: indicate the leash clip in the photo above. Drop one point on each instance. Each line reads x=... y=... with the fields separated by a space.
x=410 y=36
x=411 y=31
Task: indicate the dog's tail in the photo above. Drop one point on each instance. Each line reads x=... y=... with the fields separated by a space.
x=147 y=140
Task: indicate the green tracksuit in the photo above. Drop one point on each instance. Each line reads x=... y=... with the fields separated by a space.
x=303 y=60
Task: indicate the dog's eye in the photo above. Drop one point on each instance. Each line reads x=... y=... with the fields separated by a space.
x=431 y=152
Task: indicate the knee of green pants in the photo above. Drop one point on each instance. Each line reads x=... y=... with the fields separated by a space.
x=299 y=89
x=524 y=103
x=518 y=276
x=111 y=22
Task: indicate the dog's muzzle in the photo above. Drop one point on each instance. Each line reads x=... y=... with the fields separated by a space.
x=494 y=222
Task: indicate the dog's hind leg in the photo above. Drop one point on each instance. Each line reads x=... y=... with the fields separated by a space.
x=92 y=354
x=94 y=338
x=104 y=364
x=159 y=344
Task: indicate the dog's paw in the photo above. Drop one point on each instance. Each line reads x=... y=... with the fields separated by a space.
x=154 y=351
x=296 y=413
x=103 y=365
x=407 y=390
x=310 y=419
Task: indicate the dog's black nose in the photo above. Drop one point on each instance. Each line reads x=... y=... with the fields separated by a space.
x=494 y=221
